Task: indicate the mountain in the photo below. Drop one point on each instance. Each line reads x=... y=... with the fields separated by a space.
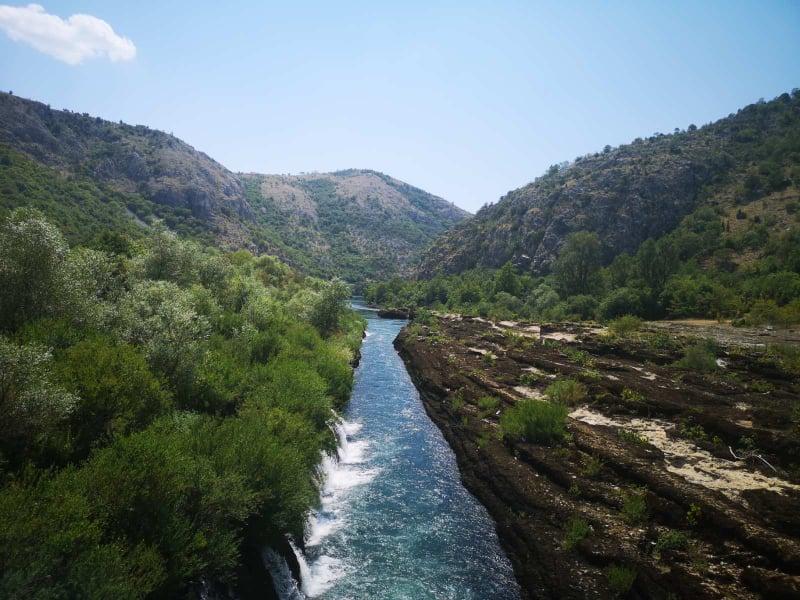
x=356 y=221
x=634 y=192
x=88 y=173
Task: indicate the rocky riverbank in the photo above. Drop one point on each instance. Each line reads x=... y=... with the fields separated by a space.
x=672 y=482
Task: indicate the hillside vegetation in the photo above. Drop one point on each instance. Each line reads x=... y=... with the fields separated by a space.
x=637 y=191
x=733 y=253
x=165 y=407
x=356 y=224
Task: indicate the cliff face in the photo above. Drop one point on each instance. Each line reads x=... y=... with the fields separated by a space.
x=358 y=224
x=632 y=192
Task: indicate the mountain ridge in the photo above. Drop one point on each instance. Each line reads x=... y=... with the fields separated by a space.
x=630 y=193
x=167 y=178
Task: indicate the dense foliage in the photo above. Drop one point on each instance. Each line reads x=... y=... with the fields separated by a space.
x=161 y=404
x=707 y=267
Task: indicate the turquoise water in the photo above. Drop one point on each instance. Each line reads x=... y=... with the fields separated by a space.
x=395 y=522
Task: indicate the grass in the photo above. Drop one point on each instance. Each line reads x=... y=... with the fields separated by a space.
x=577 y=531
x=634 y=507
x=632 y=437
x=535 y=421
x=592 y=466
x=630 y=396
x=488 y=405
x=566 y=391
x=529 y=379
x=620 y=579
x=457 y=401
x=786 y=356
x=625 y=325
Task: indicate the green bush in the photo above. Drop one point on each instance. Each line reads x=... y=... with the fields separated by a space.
x=566 y=391
x=632 y=396
x=117 y=394
x=535 y=421
x=620 y=579
x=625 y=325
x=634 y=507
x=671 y=540
x=698 y=357
x=577 y=530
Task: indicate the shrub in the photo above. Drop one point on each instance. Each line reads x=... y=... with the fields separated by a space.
x=698 y=357
x=625 y=325
x=577 y=530
x=117 y=393
x=620 y=579
x=671 y=540
x=566 y=391
x=592 y=466
x=632 y=396
x=579 y=357
x=535 y=421
x=632 y=437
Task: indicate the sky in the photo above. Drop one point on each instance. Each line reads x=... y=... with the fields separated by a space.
x=466 y=100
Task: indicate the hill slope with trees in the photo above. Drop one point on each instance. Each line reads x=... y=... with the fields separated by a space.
x=634 y=192
x=721 y=240
x=78 y=168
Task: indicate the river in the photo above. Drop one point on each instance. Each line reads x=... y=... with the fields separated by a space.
x=395 y=522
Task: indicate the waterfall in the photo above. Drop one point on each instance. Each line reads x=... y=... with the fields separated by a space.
x=337 y=474
x=282 y=580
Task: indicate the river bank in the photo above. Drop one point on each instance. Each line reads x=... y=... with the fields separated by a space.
x=394 y=519
x=644 y=498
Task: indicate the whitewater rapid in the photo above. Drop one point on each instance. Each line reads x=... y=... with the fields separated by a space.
x=394 y=520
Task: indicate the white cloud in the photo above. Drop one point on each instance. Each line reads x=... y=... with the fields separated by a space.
x=72 y=40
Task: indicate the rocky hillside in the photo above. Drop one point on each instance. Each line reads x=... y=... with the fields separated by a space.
x=357 y=224
x=634 y=192
x=357 y=221
x=630 y=466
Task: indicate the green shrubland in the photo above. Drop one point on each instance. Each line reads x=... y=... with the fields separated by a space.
x=162 y=402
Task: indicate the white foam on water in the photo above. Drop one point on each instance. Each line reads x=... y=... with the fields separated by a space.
x=339 y=475
x=323 y=572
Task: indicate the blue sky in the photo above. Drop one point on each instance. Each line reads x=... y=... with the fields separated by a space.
x=464 y=99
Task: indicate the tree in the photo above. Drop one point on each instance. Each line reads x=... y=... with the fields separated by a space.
x=33 y=254
x=330 y=307
x=32 y=405
x=578 y=264
x=117 y=392
x=505 y=280
x=656 y=261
